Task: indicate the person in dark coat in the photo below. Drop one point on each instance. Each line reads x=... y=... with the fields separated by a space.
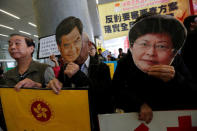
x=190 y=46
x=93 y=50
x=152 y=76
x=101 y=58
x=121 y=53
x=82 y=70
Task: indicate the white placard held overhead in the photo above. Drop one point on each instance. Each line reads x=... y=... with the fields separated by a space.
x=47 y=47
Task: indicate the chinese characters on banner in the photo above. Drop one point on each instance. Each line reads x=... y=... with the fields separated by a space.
x=48 y=46
x=117 y=17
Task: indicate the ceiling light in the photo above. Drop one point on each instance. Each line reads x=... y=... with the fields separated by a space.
x=9 y=14
x=36 y=36
x=24 y=32
x=3 y=35
x=6 y=27
x=32 y=24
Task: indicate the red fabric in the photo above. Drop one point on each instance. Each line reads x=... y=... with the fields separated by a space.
x=191 y=7
x=185 y=124
x=142 y=127
x=56 y=71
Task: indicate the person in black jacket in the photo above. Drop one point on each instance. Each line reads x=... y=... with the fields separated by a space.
x=152 y=76
x=121 y=53
x=93 y=50
x=190 y=46
x=82 y=70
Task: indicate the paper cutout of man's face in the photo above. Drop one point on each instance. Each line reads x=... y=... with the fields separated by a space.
x=152 y=49
x=70 y=46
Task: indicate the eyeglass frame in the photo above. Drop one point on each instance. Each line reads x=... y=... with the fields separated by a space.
x=146 y=46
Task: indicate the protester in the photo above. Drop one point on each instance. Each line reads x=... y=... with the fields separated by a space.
x=57 y=63
x=110 y=57
x=190 y=46
x=100 y=56
x=28 y=73
x=147 y=78
x=93 y=50
x=121 y=54
x=83 y=70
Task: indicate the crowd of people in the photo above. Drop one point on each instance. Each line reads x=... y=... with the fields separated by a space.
x=151 y=76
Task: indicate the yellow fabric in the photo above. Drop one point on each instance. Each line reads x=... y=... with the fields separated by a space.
x=111 y=68
x=69 y=110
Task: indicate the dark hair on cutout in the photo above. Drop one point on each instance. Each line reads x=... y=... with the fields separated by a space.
x=144 y=16
x=159 y=24
x=28 y=41
x=66 y=26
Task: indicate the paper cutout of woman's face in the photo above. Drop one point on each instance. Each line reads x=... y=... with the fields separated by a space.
x=71 y=45
x=152 y=49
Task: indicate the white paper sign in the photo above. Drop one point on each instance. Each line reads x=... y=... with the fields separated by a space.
x=48 y=46
x=162 y=121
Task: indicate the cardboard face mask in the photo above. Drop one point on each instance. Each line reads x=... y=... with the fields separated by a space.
x=75 y=51
x=70 y=55
x=71 y=45
x=155 y=40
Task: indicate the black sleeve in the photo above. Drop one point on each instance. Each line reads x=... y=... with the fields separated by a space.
x=124 y=96
x=187 y=86
x=183 y=76
x=100 y=82
x=80 y=79
x=2 y=119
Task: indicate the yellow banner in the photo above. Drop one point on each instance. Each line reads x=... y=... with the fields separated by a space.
x=116 y=18
x=42 y=110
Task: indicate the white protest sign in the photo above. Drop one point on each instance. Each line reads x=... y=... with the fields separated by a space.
x=162 y=121
x=48 y=46
x=105 y=53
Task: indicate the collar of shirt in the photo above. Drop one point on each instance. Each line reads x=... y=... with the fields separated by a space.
x=84 y=67
x=87 y=62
